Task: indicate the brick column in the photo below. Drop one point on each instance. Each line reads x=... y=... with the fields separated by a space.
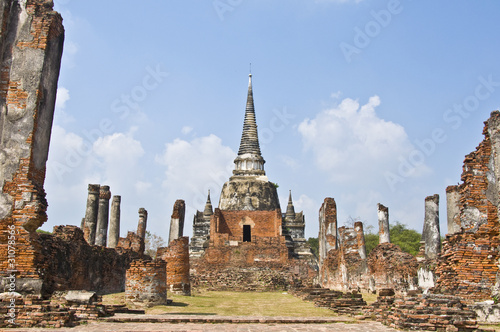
x=90 y=224
x=146 y=283
x=143 y=219
x=431 y=234
x=383 y=224
x=103 y=216
x=114 y=222
x=327 y=227
x=360 y=236
x=453 y=209
x=177 y=257
x=177 y=221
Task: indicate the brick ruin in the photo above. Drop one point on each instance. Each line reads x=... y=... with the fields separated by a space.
x=31 y=43
x=468 y=265
x=146 y=283
x=176 y=255
x=344 y=264
x=247 y=239
x=246 y=243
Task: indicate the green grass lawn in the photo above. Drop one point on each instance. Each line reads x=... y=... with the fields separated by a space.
x=234 y=304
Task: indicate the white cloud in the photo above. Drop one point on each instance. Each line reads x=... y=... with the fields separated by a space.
x=62 y=98
x=186 y=130
x=292 y=163
x=351 y=143
x=336 y=95
x=193 y=167
x=75 y=161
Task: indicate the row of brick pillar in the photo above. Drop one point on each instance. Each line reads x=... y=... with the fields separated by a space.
x=98 y=218
x=95 y=223
x=329 y=234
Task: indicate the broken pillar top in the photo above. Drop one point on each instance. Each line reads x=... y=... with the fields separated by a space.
x=94 y=189
x=104 y=192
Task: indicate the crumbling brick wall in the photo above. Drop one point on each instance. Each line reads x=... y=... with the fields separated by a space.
x=176 y=255
x=344 y=268
x=132 y=242
x=468 y=265
x=258 y=276
x=391 y=267
x=67 y=261
x=31 y=41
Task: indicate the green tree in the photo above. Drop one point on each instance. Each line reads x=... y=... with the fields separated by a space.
x=407 y=239
x=314 y=243
x=151 y=243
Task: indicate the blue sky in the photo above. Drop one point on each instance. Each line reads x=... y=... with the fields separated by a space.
x=364 y=101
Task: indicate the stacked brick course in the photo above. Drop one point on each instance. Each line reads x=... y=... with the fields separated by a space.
x=425 y=312
x=35 y=312
x=31 y=40
x=468 y=265
x=69 y=262
x=176 y=255
x=390 y=267
x=146 y=283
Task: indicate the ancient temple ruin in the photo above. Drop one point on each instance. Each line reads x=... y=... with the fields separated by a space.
x=248 y=228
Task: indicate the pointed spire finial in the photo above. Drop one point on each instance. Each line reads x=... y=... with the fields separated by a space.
x=290 y=209
x=249 y=138
x=208 y=206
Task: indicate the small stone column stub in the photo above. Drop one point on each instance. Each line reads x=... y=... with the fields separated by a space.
x=431 y=234
x=383 y=224
x=177 y=221
x=103 y=216
x=143 y=220
x=453 y=209
x=90 y=224
x=114 y=222
x=360 y=236
x=327 y=227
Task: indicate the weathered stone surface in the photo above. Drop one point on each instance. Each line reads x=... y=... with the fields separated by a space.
x=177 y=221
x=345 y=268
x=360 y=236
x=31 y=42
x=201 y=230
x=327 y=228
x=263 y=194
x=80 y=297
x=453 y=209
x=143 y=221
x=431 y=234
x=486 y=312
x=114 y=222
x=101 y=238
x=383 y=224
x=90 y=224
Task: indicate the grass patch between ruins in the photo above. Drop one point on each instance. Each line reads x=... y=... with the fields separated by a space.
x=233 y=304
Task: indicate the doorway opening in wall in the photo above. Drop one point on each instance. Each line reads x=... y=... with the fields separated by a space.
x=247 y=233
